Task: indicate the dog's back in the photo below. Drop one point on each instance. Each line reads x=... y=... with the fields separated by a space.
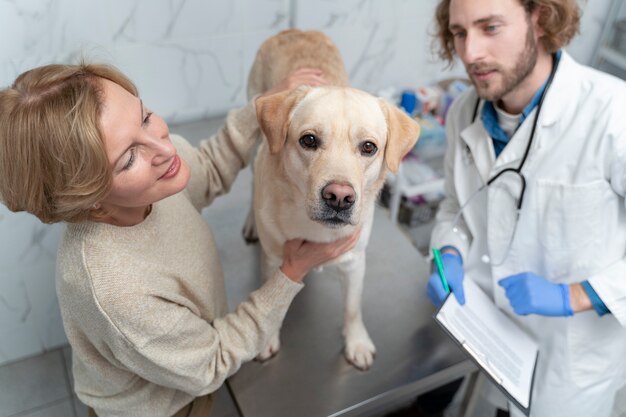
x=293 y=49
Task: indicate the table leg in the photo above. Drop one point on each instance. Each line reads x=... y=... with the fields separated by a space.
x=472 y=391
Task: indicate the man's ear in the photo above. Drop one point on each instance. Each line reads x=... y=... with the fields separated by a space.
x=402 y=134
x=535 y=18
x=273 y=113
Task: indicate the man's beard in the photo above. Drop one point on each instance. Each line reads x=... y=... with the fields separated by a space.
x=512 y=78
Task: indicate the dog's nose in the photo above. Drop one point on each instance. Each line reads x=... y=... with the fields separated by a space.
x=338 y=196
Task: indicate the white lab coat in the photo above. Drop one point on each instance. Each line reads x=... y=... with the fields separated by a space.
x=572 y=227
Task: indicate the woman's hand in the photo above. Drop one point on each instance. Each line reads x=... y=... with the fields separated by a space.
x=300 y=256
x=302 y=76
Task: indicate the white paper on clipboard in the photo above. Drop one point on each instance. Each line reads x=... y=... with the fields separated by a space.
x=497 y=344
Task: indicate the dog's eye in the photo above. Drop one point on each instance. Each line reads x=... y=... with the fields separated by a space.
x=309 y=142
x=368 y=148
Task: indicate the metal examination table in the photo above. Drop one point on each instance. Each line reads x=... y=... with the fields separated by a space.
x=310 y=376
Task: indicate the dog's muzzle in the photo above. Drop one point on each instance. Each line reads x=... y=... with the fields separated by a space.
x=337 y=201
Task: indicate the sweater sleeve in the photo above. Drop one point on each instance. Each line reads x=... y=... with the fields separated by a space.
x=196 y=356
x=216 y=162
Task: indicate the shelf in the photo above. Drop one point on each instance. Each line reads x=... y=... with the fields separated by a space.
x=434 y=186
x=401 y=187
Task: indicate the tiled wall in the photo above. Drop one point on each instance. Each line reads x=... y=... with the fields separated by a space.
x=190 y=59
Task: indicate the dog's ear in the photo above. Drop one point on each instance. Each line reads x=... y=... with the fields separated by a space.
x=402 y=134
x=273 y=113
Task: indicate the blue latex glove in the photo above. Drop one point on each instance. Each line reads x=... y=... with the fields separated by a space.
x=532 y=294
x=453 y=270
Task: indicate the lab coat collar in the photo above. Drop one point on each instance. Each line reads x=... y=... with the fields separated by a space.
x=559 y=95
x=479 y=147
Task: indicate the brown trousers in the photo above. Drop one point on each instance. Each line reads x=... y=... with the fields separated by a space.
x=200 y=407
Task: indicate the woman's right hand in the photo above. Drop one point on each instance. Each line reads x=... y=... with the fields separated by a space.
x=300 y=256
x=302 y=76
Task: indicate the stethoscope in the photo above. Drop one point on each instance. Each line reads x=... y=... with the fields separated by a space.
x=518 y=170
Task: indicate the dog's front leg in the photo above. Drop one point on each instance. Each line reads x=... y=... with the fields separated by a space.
x=360 y=349
x=269 y=267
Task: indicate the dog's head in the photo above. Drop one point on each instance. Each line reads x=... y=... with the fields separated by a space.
x=333 y=145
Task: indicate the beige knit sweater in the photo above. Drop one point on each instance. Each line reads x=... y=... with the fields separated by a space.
x=144 y=307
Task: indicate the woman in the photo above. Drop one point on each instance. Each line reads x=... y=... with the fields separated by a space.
x=139 y=282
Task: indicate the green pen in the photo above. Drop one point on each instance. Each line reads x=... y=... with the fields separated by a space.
x=439 y=264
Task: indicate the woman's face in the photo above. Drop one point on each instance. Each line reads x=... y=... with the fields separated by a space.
x=145 y=165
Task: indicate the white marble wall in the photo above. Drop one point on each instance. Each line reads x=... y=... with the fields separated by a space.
x=190 y=59
x=384 y=43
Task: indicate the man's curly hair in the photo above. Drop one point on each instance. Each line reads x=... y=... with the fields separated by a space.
x=559 y=19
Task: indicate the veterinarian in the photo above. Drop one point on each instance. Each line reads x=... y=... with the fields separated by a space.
x=140 y=285
x=535 y=183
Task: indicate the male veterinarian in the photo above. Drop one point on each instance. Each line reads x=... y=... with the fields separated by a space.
x=535 y=184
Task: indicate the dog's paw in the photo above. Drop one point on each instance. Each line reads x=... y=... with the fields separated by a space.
x=360 y=353
x=271 y=349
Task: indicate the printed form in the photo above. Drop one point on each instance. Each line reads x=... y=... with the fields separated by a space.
x=498 y=345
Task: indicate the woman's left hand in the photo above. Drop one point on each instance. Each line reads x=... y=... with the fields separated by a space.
x=302 y=76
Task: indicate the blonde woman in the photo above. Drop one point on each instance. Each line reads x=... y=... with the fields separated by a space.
x=139 y=281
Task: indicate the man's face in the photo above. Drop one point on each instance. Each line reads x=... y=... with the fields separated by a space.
x=496 y=41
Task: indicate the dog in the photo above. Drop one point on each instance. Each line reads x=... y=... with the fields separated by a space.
x=320 y=166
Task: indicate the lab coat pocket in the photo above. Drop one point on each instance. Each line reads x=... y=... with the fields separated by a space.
x=595 y=348
x=569 y=225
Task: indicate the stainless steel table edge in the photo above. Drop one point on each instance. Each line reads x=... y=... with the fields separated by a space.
x=381 y=402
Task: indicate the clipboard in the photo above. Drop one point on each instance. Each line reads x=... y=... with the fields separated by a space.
x=498 y=345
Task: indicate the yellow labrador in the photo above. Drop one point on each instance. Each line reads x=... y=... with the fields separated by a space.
x=321 y=166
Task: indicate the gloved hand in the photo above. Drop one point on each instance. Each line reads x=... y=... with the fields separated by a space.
x=453 y=270
x=532 y=294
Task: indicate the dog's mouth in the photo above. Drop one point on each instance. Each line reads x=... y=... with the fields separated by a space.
x=334 y=219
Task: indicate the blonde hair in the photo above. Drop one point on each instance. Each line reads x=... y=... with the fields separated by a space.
x=53 y=162
x=559 y=19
